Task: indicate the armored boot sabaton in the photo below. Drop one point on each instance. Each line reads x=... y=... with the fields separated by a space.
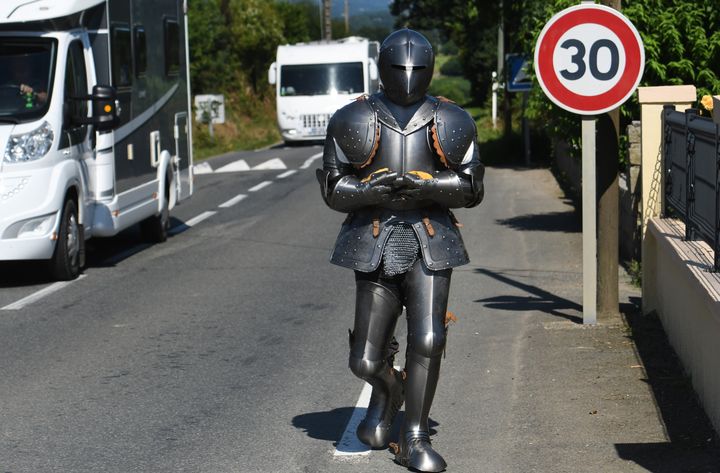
x=414 y=449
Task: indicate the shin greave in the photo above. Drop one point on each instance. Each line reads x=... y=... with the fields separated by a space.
x=376 y=314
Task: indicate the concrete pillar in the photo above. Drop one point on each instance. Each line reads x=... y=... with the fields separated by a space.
x=651 y=101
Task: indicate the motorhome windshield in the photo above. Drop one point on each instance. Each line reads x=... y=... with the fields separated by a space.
x=26 y=69
x=322 y=79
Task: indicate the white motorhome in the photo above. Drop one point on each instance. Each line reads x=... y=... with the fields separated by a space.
x=315 y=79
x=94 y=110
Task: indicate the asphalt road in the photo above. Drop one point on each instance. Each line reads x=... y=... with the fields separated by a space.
x=225 y=348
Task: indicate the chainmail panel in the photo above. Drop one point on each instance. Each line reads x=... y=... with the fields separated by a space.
x=401 y=250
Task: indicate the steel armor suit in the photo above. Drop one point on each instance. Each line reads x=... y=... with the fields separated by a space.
x=396 y=162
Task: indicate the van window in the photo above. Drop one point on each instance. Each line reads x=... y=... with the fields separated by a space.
x=322 y=79
x=172 y=47
x=140 y=51
x=75 y=86
x=26 y=72
x=121 y=55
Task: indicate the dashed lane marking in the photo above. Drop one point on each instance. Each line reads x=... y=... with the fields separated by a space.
x=308 y=162
x=232 y=201
x=36 y=296
x=199 y=218
x=192 y=222
x=202 y=168
x=262 y=185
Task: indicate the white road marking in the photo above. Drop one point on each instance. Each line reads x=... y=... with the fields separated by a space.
x=236 y=166
x=202 y=168
x=286 y=174
x=36 y=296
x=262 y=185
x=232 y=201
x=308 y=162
x=349 y=444
x=190 y=223
x=275 y=163
x=199 y=218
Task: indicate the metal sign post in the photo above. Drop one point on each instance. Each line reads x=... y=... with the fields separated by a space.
x=589 y=221
x=589 y=60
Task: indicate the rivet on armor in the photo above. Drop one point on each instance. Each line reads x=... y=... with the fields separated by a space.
x=430 y=263
x=424 y=246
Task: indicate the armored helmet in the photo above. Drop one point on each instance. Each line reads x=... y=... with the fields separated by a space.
x=406 y=66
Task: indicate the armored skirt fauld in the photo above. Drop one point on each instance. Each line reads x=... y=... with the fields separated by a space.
x=397 y=162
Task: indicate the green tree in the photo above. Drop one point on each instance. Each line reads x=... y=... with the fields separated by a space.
x=213 y=64
x=256 y=30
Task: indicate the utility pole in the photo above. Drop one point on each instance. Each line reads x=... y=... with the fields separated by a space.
x=327 y=19
x=608 y=234
x=347 y=17
x=502 y=77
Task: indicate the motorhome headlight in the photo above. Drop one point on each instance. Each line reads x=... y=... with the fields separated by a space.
x=32 y=227
x=29 y=146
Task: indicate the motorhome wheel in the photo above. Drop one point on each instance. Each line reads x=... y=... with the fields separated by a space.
x=65 y=262
x=155 y=228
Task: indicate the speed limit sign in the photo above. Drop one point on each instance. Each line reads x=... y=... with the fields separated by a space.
x=589 y=59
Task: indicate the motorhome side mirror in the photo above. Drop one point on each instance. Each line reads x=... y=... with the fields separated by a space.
x=272 y=73
x=104 y=107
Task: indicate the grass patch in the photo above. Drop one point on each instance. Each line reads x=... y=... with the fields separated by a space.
x=456 y=89
x=250 y=123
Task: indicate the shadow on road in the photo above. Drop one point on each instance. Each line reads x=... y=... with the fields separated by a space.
x=23 y=273
x=565 y=222
x=330 y=425
x=693 y=445
x=537 y=299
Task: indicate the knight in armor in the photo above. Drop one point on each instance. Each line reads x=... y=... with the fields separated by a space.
x=396 y=162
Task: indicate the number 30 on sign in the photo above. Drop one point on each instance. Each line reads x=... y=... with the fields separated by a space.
x=589 y=59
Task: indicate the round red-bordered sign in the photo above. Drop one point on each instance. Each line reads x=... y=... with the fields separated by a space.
x=607 y=25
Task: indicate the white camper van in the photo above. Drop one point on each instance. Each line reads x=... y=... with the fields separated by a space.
x=315 y=79
x=94 y=110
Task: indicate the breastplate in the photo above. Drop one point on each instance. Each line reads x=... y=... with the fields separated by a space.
x=404 y=149
x=403 y=153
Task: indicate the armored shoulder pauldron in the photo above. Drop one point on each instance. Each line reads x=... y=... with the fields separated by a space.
x=453 y=133
x=356 y=132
